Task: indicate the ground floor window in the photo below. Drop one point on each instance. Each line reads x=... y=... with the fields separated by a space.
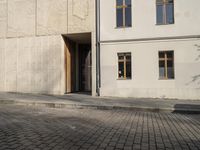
x=124 y=66
x=166 y=64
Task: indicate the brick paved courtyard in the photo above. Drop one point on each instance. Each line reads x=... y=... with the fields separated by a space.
x=43 y=128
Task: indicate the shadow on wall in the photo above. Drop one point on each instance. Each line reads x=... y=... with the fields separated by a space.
x=187 y=108
x=196 y=78
x=198 y=50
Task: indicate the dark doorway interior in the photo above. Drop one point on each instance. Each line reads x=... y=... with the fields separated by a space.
x=78 y=63
x=85 y=65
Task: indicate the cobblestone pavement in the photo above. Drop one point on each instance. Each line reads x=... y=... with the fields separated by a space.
x=43 y=128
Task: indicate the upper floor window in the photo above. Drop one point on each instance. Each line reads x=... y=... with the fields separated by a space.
x=123 y=10
x=166 y=64
x=124 y=65
x=165 y=11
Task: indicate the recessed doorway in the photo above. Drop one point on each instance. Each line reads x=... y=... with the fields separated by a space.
x=78 y=63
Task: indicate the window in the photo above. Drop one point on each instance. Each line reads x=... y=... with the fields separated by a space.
x=124 y=65
x=165 y=11
x=124 y=13
x=166 y=65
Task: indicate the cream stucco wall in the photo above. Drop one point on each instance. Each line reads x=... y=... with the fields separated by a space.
x=145 y=80
x=31 y=45
x=186 y=13
x=143 y=40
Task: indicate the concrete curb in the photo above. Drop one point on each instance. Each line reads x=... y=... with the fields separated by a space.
x=99 y=107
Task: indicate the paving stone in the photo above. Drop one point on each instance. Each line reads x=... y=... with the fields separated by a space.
x=31 y=128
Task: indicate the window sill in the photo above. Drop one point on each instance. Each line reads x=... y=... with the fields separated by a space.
x=126 y=27
x=165 y=79
x=124 y=79
x=164 y=24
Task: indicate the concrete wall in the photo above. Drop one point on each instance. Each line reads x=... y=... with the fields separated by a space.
x=31 y=64
x=145 y=71
x=3 y=18
x=187 y=20
x=31 y=45
x=52 y=17
x=81 y=16
x=21 y=18
x=2 y=65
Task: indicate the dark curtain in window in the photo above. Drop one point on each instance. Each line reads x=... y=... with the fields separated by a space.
x=124 y=16
x=165 y=11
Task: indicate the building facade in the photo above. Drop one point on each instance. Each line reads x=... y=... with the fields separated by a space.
x=46 y=46
x=150 y=48
x=122 y=48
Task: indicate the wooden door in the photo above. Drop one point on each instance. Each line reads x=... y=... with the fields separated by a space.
x=69 y=66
